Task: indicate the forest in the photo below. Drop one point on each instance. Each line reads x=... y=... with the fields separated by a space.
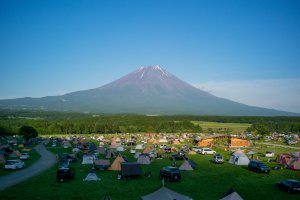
x=87 y=123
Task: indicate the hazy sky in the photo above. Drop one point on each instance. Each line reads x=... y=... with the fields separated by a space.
x=247 y=51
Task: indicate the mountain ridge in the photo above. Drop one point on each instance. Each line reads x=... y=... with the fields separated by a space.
x=147 y=90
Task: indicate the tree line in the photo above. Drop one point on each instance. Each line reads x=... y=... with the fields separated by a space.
x=81 y=123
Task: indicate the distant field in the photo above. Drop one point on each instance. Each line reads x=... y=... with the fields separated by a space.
x=222 y=127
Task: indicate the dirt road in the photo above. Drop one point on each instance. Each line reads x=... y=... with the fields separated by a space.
x=46 y=161
x=280 y=145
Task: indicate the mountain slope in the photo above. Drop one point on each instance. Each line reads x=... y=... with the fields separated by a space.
x=147 y=90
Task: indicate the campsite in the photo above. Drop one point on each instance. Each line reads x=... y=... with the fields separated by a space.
x=206 y=181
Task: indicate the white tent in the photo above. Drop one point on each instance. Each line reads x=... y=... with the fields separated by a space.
x=92 y=176
x=239 y=158
x=120 y=148
x=139 y=146
x=88 y=159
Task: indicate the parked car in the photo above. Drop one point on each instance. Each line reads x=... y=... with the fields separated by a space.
x=14 y=164
x=207 y=151
x=167 y=150
x=162 y=146
x=291 y=142
x=170 y=174
x=258 y=166
x=197 y=149
x=288 y=186
x=24 y=156
x=179 y=156
x=218 y=159
x=269 y=154
x=65 y=174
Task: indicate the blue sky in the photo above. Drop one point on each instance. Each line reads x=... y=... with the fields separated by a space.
x=53 y=47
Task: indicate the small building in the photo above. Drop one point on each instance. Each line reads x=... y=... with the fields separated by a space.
x=236 y=142
x=206 y=142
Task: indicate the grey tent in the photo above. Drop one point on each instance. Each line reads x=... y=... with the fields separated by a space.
x=144 y=159
x=102 y=164
x=165 y=194
x=231 y=195
x=106 y=197
x=92 y=176
x=130 y=169
x=193 y=164
x=186 y=166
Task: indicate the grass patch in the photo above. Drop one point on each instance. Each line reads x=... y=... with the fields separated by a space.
x=222 y=127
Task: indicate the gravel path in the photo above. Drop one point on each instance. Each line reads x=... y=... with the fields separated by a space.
x=46 y=161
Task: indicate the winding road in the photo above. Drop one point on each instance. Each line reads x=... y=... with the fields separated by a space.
x=46 y=161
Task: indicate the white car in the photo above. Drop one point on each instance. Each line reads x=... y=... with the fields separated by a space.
x=207 y=151
x=162 y=146
x=197 y=149
x=14 y=164
x=24 y=156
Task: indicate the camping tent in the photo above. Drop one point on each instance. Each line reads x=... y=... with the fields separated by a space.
x=88 y=159
x=92 y=176
x=102 y=164
x=231 y=195
x=139 y=146
x=165 y=194
x=110 y=154
x=130 y=169
x=193 y=164
x=137 y=154
x=239 y=158
x=284 y=159
x=144 y=159
x=186 y=166
x=116 y=165
x=120 y=148
x=106 y=197
x=148 y=149
x=295 y=164
x=101 y=150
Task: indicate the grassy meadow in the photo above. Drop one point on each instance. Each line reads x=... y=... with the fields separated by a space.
x=222 y=127
x=208 y=181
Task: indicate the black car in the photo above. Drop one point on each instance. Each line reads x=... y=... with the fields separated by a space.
x=170 y=174
x=65 y=174
x=178 y=157
x=288 y=185
x=258 y=166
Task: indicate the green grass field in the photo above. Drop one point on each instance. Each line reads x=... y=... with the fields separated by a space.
x=208 y=181
x=222 y=127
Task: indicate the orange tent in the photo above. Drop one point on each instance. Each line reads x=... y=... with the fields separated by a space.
x=116 y=165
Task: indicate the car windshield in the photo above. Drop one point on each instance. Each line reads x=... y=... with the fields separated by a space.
x=174 y=170
x=295 y=184
x=262 y=165
x=219 y=157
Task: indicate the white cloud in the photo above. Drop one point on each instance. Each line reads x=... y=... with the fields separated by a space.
x=280 y=94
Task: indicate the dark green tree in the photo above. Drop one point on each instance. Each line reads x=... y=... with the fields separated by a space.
x=28 y=132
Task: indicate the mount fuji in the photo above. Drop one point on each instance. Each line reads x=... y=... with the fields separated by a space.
x=148 y=90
